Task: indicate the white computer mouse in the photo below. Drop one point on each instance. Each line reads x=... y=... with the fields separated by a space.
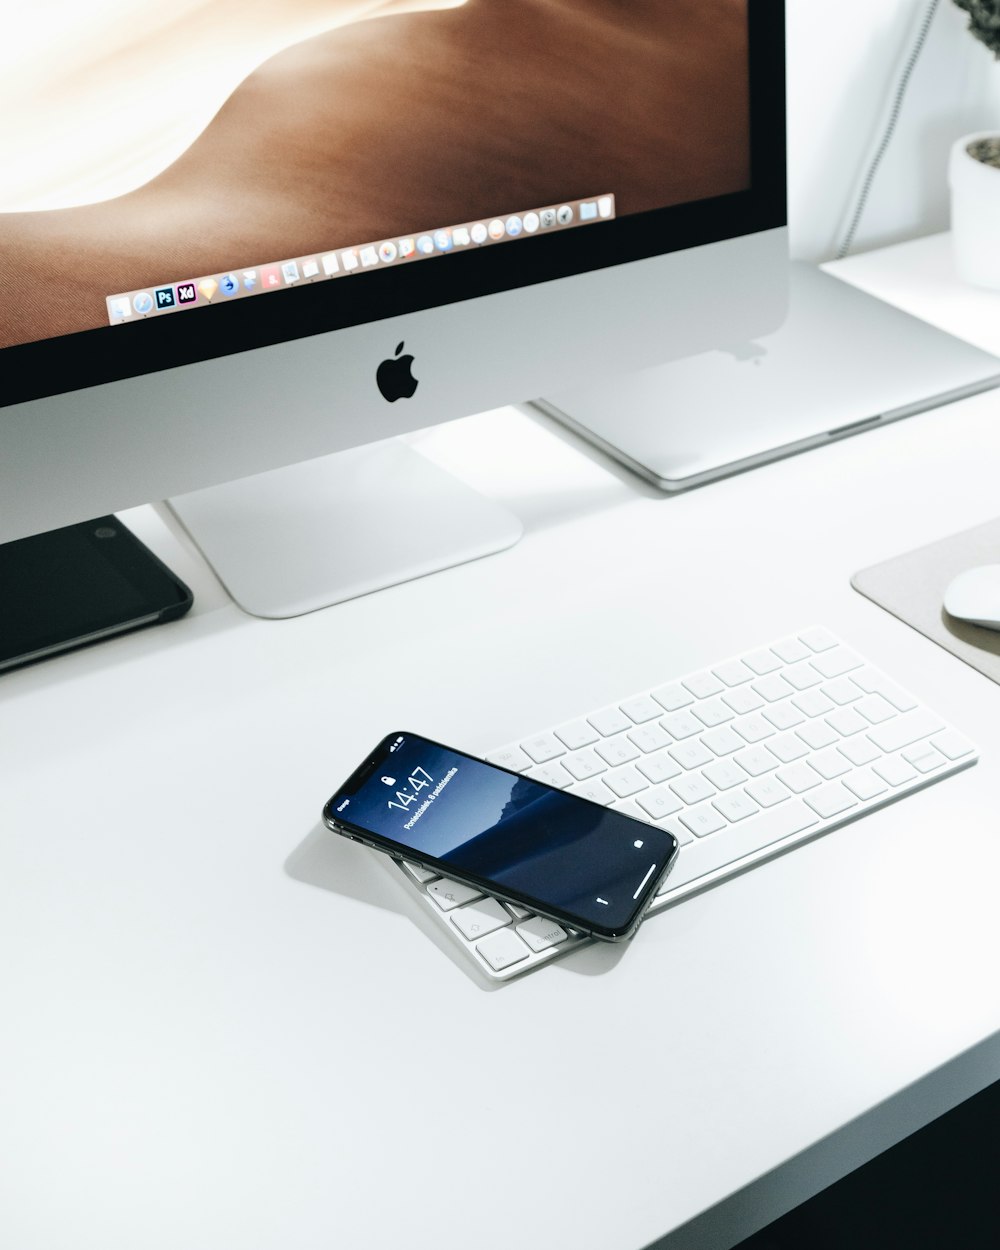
x=974 y=596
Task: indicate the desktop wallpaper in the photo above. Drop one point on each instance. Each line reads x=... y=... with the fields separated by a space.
x=159 y=140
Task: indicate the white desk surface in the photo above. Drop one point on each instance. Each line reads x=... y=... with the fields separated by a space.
x=223 y=1027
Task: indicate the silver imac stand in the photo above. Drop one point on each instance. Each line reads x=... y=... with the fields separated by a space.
x=296 y=539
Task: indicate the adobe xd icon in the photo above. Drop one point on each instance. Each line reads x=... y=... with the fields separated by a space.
x=394 y=377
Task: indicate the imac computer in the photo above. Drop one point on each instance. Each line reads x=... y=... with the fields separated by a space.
x=243 y=248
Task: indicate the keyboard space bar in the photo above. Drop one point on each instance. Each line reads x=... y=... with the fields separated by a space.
x=719 y=849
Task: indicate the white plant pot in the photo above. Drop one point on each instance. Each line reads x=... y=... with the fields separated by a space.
x=975 y=214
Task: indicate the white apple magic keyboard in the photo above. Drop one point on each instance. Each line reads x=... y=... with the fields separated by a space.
x=740 y=761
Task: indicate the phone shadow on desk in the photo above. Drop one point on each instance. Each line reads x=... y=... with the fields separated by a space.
x=330 y=862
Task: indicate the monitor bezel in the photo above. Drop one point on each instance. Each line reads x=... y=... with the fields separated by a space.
x=105 y=354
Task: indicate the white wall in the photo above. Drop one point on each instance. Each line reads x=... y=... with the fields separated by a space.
x=844 y=62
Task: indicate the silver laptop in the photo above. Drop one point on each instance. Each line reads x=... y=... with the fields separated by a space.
x=842 y=362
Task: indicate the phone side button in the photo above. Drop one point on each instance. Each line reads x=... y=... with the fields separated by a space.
x=448 y=894
x=502 y=949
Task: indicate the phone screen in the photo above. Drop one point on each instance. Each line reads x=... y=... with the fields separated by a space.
x=560 y=854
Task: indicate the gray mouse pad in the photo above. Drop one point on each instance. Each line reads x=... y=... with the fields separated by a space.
x=912 y=587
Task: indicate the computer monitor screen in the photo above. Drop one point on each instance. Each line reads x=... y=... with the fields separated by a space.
x=281 y=185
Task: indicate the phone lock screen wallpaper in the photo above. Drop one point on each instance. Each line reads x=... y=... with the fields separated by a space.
x=525 y=838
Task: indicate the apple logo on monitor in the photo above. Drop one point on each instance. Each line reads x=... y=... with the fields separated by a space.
x=394 y=377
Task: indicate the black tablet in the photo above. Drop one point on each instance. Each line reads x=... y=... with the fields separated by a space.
x=78 y=585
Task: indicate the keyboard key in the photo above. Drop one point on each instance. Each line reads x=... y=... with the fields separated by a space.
x=842 y=691
x=768 y=791
x=692 y=788
x=894 y=770
x=790 y=650
x=874 y=683
x=608 y=721
x=802 y=676
x=672 y=697
x=818 y=639
x=684 y=836
x=724 y=774
x=659 y=802
x=829 y=764
x=478 y=919
x=905 y=730
x=659 y=767
x=859 y=751
x=837 y=661
x=543 y=747
x=865 y=784
x=510 y=757
x=784 y=715
x=702 y=685
x=788 y=747
x=417 y=873
x=690 y=754
x=550 y=775
x=773 y=687
x=923 y=757
x=722 y=741
x=617 y=751
x=576 y=734
x=733 y=673
x=952 y=744
x=584 y=764
x=641 y=709
x=831 y=800
x=846 y=721
x=875 y=709
x=625 y=781
x=540 y=933
x=649 y=737
x=735 y=806
x=593 y=792
x=813 y=703
x=762 y=662
x=448 y=894
x=817 y=734
x=502 y=949
x=702 y=821
x=799 y=777
x=681 y=725
x=753 y=728
x=743 y=699
x=629 y=807
x=756 y=760
x=712 y=712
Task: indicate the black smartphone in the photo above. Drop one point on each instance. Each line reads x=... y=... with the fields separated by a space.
x=80 y=584
x=586 y=866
